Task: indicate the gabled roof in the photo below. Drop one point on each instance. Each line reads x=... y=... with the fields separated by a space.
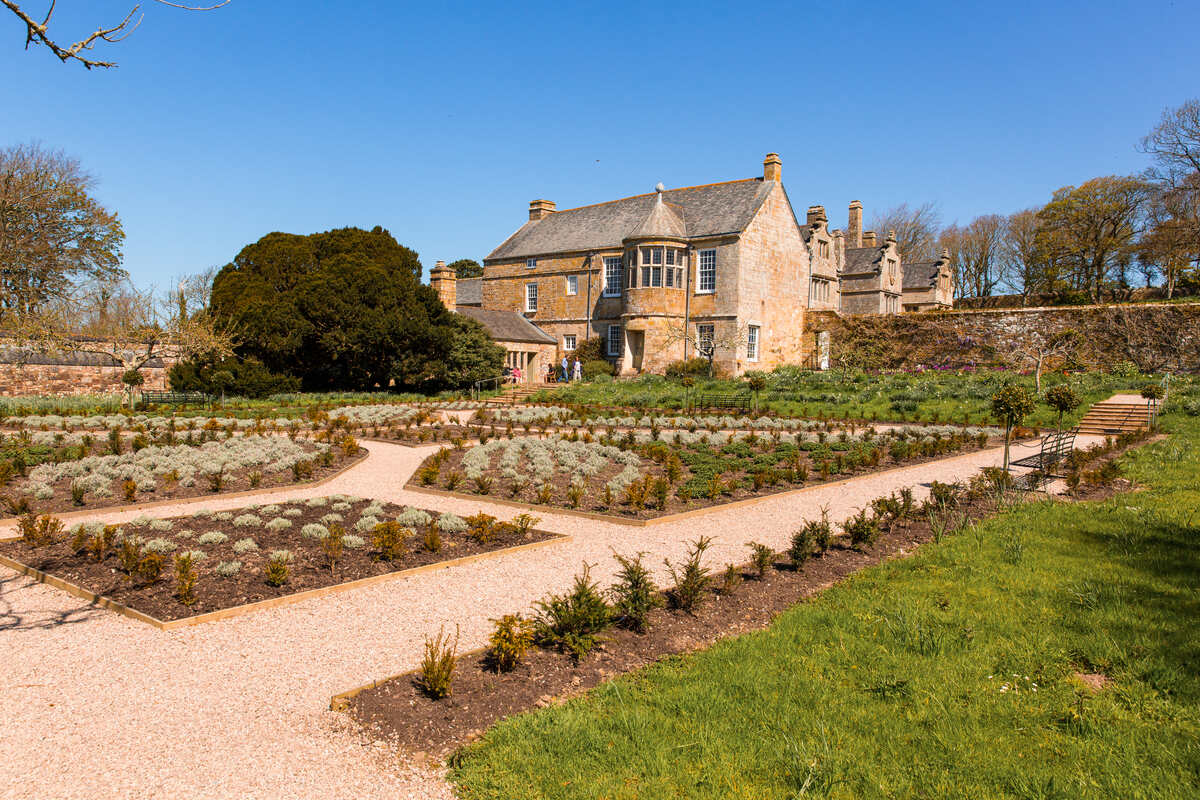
x=711 y=210
x=469 y=292
x=663 y=221
x=862 y=259
x=921 y=274
x=506 y=326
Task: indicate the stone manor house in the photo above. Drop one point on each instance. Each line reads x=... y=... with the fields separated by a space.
x=666 y=276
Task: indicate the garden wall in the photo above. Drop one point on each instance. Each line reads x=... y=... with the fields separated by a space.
x=70 y=375
x=1153 y=336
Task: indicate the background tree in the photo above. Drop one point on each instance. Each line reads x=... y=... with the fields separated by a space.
x=466 y=268
x=1092 y=229
x=1170 y=246
x=1026 y=268
x=1044 y=349
x=916 y=228
x=344 y=309
x=472 y=355
x=54 y=235
x=725 y=339
x=37 y=31
x=976 y=255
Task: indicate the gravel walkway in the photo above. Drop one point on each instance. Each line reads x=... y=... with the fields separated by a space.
x=97 y=705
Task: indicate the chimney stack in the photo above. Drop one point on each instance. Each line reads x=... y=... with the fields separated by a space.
x=773 y=168
x=816 y=214
x=444 y=281
x=540 y=209
x=869 y=239
x=854 y=231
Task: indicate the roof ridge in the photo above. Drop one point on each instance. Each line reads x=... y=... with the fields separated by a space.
x=649 y=194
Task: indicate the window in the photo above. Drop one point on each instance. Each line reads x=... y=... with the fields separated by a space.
x=706 y=281
x=530 y=297
x=645 y=255
x=820 y=290
x=752 y=343
x=645 y=276
x=530 y=263
x=891 y=267
x=568 y=341
x=670 y=275
x=614 y=340
x=679 y=277
x=656 y=276
x=670 y=257
x=657 y=253
x=822 y=248
x=572 y=284
x=704 y=338
x=612 y=276
x=631 y=273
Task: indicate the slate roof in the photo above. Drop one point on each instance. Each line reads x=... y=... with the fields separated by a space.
x=663 y=221
x=710 y=210
x=469 y=292
x=861 y=259
x=920 y=274
x=506 y=326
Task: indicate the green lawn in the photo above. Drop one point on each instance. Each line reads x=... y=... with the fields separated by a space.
x=930 y=396
x=891 y=683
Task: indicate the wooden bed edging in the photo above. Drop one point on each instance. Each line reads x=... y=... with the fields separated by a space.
x=262 y=605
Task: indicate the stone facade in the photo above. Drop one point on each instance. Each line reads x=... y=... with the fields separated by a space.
x=929 y=285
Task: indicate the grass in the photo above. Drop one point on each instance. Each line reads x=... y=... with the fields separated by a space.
x=890 y=683
x=930 y=396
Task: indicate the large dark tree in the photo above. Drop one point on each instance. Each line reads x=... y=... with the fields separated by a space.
x=343 y=309
x=466 y=268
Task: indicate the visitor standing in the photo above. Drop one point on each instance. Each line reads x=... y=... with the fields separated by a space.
x=566 y=370
x=578 y=374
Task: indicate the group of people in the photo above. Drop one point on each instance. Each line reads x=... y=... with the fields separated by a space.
x=563 y=373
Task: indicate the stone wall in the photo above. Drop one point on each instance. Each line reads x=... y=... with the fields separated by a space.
x=58 y=380
x=1154 y=336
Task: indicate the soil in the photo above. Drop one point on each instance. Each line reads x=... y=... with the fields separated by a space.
x=592 y=499
x=235 y=481
x=308 y=568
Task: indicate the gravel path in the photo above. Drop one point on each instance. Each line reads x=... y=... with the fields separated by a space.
x=97 y=705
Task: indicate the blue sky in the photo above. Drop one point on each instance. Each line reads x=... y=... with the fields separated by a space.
x=441 y=122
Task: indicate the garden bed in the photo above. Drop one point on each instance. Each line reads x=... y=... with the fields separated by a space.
x=400 y=711
x=158 y=473
x=636 y=476
x=233 y=551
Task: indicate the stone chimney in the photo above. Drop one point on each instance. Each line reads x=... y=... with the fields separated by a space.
x=773 y=168
x=816 y=215
x=854 y=236
x=540 y=209
x=444 y=281
x=869 y=239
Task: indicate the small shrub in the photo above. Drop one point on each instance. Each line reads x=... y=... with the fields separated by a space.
x=452 y=523
x=483 y=484
x=39 y=531
x=160 y=545
x=277 y=568
x=761 y=558
x=185 y=578
x=352 y=542
x=390 y=540
x=691 y=577
x=212 y=537
x=431 y=538
x=255 y=478
x=437 y=665
x=481 y=527
x=314 y=530
x=129 y=489
x=302 y=470
x=524 y=523
x=571 y=621
x=862 y=528
x=332 y=546
x=802 y=545
x=150 y=567
x=216 y=481
x=246 y=545
x=509 y=641
x=227 y=569
x=77 y=492
x=453 y=480
x=634 y=594
x=731 y=578
x=279 y=524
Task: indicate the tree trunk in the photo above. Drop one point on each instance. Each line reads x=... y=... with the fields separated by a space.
x=1007 y=433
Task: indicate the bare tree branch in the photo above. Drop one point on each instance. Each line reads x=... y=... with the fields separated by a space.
x=38 y=32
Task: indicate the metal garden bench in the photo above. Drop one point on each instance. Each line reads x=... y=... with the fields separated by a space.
x=175 y=398
x=1056 y=446
x=739 y=402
